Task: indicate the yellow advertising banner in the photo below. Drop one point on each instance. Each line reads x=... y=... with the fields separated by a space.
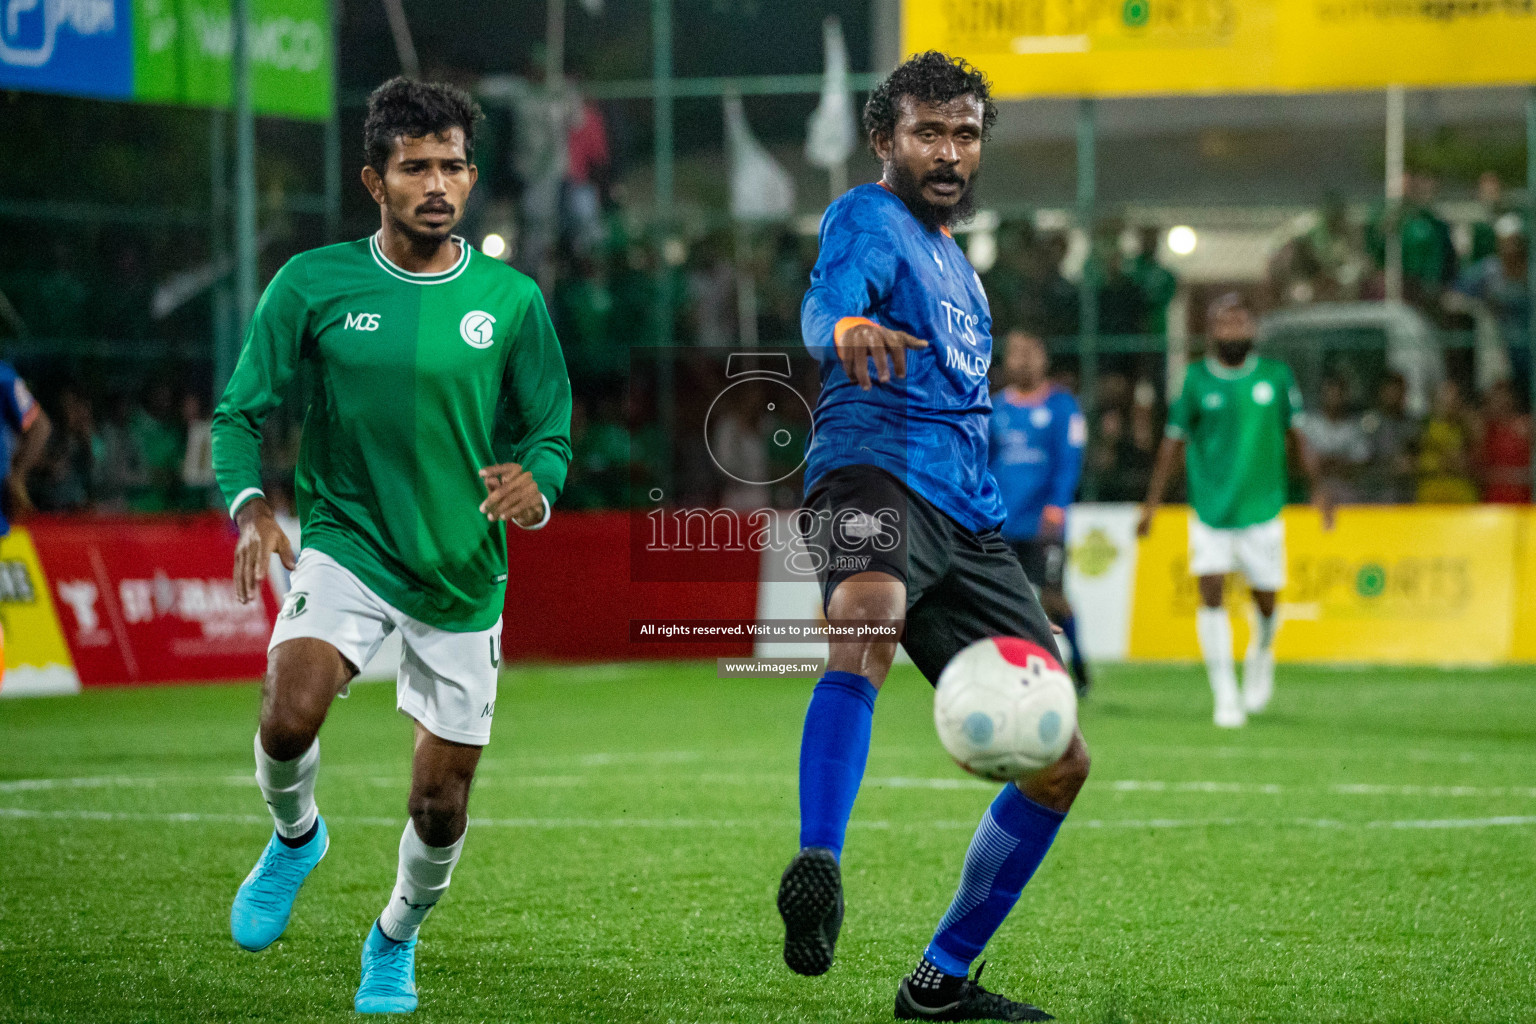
x=1523 y=642
x=34 y=658
x=1413 y=585
x=1036 y=48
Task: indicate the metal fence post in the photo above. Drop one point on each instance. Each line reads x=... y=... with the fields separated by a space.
x=1087 y=288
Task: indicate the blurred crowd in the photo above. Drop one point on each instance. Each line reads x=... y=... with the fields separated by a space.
x=1371 y=448
x=1452 y=274
x=1463 y=451
x=127 y=453
x=647 y=319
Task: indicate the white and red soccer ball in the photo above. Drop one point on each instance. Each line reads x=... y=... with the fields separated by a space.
x=1005 y=708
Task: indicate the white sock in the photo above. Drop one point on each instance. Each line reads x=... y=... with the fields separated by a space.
x=1215 y=632
x=289 y=788
x=420 y=883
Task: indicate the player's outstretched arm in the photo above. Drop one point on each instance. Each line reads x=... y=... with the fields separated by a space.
x=1169 y=455
x=855 y=270
x=1322 y=494
x=260 y=539
x=268 y=358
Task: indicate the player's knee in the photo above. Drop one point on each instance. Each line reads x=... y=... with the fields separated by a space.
x=868 y=596
x=289 y=725
x=288 y=729
x=439 y=813
x=285 y=739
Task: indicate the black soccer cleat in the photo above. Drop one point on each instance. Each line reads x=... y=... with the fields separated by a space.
x=971 y=1003
x=811 y=904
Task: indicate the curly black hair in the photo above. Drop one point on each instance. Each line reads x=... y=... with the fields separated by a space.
x=930 y=77
x=402 y=107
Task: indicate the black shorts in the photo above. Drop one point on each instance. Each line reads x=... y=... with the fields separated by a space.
x=1044 y=561
x=962 y=585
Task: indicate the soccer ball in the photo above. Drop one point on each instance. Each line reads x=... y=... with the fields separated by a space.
x=1005 y=708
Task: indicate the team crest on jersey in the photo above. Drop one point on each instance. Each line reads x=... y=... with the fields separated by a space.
x=477 y=329
x=1263 y=392
x=1212 y=400
x=1040 y=418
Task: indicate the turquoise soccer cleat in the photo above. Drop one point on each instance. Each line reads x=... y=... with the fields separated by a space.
x=265 y=900
x=389 y=975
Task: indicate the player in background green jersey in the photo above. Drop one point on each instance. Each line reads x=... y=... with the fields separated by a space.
x=1231 y=423
x=438 y=410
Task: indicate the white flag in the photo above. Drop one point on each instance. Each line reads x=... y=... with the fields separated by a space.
x=760 y=188
x=832 y=132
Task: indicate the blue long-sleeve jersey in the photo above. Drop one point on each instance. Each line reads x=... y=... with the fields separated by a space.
x=1037 y=455
x=879 y=263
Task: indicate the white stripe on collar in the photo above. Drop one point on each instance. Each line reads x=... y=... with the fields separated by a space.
x=402 y=274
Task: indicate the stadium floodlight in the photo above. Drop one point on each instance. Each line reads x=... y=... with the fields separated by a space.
x=1182 y=240
x=494 y=246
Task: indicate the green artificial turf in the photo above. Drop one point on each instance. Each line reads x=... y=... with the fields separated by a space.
x=1366 y=851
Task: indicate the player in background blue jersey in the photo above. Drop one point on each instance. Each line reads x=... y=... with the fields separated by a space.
x=903 y=521
x=20 y=417
x=1038 y=434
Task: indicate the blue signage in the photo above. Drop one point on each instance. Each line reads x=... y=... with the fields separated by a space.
x=78 y=47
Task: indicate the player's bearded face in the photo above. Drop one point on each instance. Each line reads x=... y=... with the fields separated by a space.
x=1233 y=332
x=426 y=184
x=933 y=158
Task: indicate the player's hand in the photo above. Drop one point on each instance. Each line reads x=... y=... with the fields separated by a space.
x=887 y=347
x=511 y=494
x=260 y=539
x=1144 y=524
x=1053 y=523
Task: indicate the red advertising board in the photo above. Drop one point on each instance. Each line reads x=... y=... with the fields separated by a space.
x=572 y=592
x=152 y=600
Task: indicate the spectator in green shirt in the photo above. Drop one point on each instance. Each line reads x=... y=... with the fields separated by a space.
x=161 y=448
x=1429 y=255
x=1157 y=283
x=1485 y=238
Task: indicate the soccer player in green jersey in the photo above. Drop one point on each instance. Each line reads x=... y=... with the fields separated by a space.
x=1231 y=423
x=438 y=410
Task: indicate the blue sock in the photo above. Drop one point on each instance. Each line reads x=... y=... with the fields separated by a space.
x=1079 y=666
x=833 y=751
x=1010 y=843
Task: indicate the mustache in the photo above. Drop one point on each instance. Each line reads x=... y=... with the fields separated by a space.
x=435 y=206
x=945 y=175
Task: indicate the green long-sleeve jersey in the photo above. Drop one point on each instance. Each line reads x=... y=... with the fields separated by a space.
x=417 y=382
x=1234 y=421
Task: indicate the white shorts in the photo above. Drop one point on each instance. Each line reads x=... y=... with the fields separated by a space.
x=447 y=681
x=1258 y=552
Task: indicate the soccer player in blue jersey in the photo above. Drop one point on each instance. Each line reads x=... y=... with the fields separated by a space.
x=906 y=520
x=1038 y=434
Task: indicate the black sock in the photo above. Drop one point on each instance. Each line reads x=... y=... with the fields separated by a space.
x=931 y=987
x=301 y=840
